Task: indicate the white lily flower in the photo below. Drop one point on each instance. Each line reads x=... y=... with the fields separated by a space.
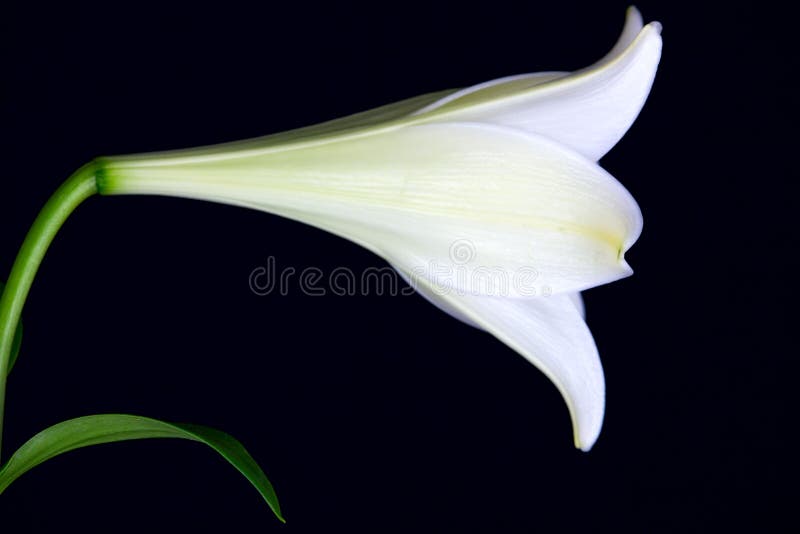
x=506 y=167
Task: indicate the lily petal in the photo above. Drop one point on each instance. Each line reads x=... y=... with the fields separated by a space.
x=547 y=331
x=535 y=216
x=577 y=300
x=589 y=110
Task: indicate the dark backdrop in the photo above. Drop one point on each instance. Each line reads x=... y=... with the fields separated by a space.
x=382 y=414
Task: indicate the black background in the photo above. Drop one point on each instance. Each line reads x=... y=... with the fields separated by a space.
x=381 y=414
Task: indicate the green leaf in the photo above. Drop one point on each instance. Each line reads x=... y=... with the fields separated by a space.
x=17 y=340
x=108 y=428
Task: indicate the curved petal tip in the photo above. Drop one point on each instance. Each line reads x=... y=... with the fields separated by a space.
x=656 y=26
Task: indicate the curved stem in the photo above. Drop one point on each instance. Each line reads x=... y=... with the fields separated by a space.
x=80 y=186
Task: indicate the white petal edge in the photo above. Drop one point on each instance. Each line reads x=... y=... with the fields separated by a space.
x=506 y=86
x=550 y=333
x=577 y=300
x=431 y=296
x=425 y=290
x=589 y=110
x=633 y=26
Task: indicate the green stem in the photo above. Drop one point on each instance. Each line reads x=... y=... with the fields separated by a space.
x=75 y=190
